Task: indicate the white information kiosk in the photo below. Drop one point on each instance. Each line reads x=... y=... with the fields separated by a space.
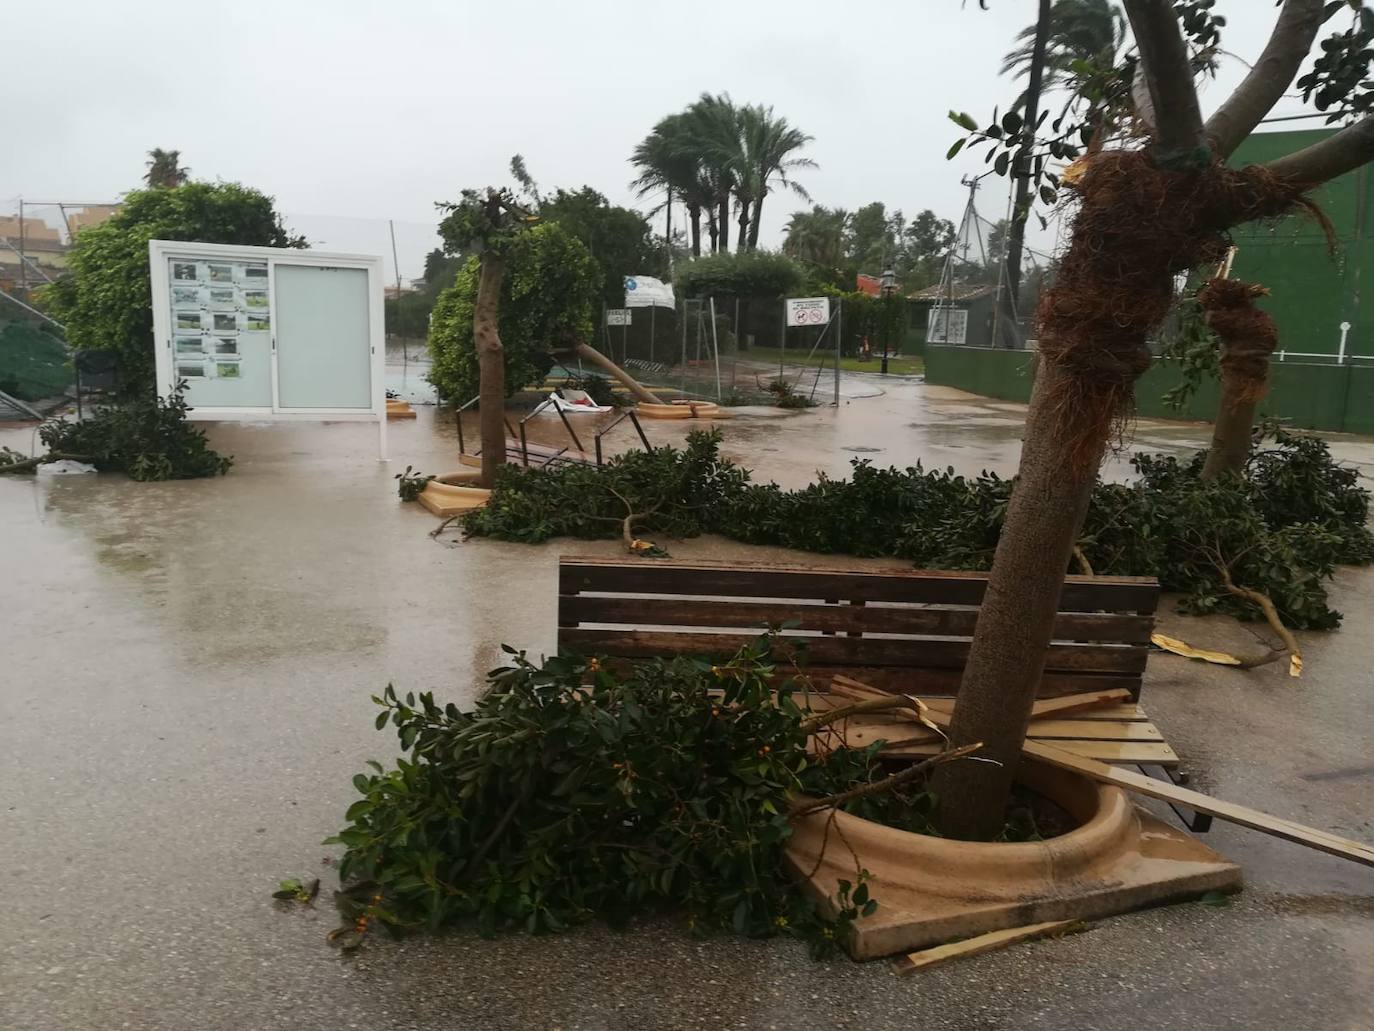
x=268 y=333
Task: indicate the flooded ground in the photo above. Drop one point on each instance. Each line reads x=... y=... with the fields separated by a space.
x=184 y=699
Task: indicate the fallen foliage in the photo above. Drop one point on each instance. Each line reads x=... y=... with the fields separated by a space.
x=1280 y=529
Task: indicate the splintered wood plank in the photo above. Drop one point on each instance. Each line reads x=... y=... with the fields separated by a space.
x=1129 y=753
x=927 y=958
x=1076 y=703
x=1128 y=711
x=1322 y=841
x=1080 y=593
x=862 y=730
x=940 y=685
x=1095 y=730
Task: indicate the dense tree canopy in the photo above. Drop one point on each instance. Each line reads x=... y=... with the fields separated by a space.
x=550 y=299
x=618 y=239
x=105 y=299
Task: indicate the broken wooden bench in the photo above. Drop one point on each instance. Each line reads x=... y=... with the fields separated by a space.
x=905 y=630
x=900 y=630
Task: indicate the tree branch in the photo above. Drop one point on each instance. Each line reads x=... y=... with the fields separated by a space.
x=1169 y=77
x=811 y=805
x=1350 y=148
x=1266 y=605
x=28 y=465
x=1272 y=73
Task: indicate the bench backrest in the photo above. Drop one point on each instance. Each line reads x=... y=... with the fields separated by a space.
x=906 y=630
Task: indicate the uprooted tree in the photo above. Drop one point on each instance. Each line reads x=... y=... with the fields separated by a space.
x=1146 y=211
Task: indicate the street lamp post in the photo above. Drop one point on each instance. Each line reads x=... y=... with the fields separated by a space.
x=889 y=282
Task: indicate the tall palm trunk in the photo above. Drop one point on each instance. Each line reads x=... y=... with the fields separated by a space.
x=712 y=229
x=694 y=214
x=1008 y=310
x=668 y=222
x=491 y=365
x=742 y=241
x=724 y=219
x=754 y=223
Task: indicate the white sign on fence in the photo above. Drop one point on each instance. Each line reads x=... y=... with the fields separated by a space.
x=947 y=326
x=808 y=311
x=617 y=316
x=646 y=292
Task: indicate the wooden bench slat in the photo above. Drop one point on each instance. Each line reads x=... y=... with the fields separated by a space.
x=1080 y=594
x=1131 y=753
x=932 y=653
x=944 y=622
x=859 y=732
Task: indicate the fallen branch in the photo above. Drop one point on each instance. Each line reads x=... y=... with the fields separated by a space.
x=814 y=723
x=30 y=464
x=812 y=805
x=1271 y=615
x=1084 y=566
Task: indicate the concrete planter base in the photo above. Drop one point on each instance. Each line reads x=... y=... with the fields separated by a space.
x=932 y=890
x=446 y=496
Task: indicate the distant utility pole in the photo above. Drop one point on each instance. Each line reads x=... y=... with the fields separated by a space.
x=23 y=261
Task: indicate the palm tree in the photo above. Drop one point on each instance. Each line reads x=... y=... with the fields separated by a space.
x=164 y=169
x=1079 y=30
x=666 y=161
x=820 y=236
x=715 y=138
x=769 y=143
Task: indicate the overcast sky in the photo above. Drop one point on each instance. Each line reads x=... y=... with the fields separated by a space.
x=352 y=112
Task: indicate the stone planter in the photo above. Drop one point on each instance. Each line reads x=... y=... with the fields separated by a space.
x=932 y=890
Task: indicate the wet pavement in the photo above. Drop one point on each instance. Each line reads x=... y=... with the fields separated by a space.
x=184 y=699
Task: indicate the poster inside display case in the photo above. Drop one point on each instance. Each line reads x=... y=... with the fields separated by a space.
x=218 y=335
x=222 y=342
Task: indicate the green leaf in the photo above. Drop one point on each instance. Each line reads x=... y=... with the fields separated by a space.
x=1011 y=123
x=954 y=149
x=1000 y=166
x=964 y=120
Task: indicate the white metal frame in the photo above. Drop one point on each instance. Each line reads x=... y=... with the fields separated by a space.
x=159 y=251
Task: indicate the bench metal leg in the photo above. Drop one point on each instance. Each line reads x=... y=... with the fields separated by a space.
x=1198 y=823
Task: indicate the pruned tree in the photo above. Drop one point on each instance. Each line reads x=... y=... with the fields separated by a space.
x=1146 y=208
x=487 y=224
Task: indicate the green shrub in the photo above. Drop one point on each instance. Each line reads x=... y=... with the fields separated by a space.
x=1281 y=529
x=568 y=793
x=146 y=438
x=549 y=299
x=751 y=274
x=105 y=299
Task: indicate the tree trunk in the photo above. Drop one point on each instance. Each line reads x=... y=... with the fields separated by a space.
x=1008 y=309
x=724 y=219
x=742 y=241
x=1016 y=622
x=754 y=224
x=594 y=356
x=695 y=213
x=491 y=364
x=712 y=229
x=1231 y=432
x=668 y=222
